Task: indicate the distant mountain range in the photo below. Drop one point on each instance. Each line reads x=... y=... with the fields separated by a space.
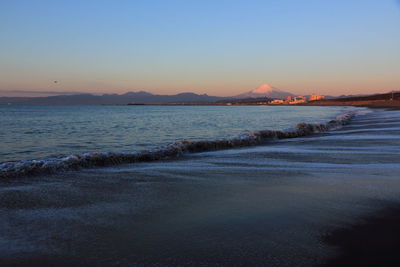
x=114 y=99
x=264 y=92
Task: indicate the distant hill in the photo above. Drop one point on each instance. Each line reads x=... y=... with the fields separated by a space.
x=263 y=93
x=265 y=90
x=352 y=98
x=114 y=99
x=250 y=100
x=388 y=100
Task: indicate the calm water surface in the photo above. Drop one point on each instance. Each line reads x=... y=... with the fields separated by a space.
x=38 y=132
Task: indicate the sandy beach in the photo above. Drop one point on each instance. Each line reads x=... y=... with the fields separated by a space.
x=371 y=241
x=285 y=203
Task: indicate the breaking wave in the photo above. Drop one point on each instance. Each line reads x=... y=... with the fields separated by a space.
x=174 y=150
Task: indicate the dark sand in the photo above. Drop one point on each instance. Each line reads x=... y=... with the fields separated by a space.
x=271 y=205
x=373 y=241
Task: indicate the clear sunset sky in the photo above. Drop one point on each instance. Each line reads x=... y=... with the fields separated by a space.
x=216 y=47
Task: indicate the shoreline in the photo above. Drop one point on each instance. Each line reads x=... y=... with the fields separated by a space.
x=388 y=104
x=392 y=104
x=371 y=239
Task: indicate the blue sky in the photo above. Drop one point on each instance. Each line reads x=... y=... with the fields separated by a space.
x=215 y=47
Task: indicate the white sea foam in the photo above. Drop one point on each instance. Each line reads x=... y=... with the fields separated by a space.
x=98 y=159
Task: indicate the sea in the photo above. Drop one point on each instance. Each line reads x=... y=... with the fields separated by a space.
x=30 y=132
x=189 y=185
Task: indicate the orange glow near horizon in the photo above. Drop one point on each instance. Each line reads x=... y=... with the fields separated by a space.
x=302 y=47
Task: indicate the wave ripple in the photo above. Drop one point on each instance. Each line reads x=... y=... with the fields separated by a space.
x=96 y=159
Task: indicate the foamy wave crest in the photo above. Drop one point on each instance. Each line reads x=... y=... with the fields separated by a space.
x=94 y=159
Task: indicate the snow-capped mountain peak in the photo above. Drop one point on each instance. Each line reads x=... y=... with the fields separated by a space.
x=265 y=90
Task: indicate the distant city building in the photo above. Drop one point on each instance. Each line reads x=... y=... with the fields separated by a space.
x=298 y=100
x=293 y=100
x=277 y=101
x=289 y=99
x=315 y=97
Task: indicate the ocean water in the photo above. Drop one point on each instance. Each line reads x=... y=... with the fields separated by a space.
x=256 y=205
x=41 y=132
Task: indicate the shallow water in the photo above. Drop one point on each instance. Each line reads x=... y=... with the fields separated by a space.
x=39 y=132
x=264 y=205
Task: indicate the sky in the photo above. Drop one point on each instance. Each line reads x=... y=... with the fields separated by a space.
x=218 y=47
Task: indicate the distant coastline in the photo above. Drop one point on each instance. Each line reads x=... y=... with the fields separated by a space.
x=388 y=100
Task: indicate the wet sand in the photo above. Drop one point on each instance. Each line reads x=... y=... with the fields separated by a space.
x=372 y=241
x=271 y=205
